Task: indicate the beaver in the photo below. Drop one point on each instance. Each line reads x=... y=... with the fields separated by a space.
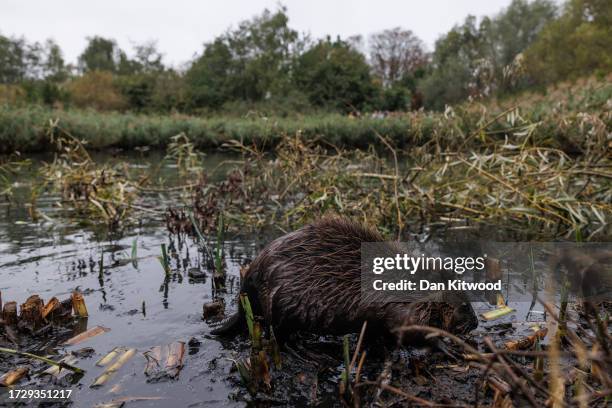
x=310 y=280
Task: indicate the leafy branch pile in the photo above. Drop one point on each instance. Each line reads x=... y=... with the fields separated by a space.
x=100 y=191
x=509 y=182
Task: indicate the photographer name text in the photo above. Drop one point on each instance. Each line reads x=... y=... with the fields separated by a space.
x=423 y=284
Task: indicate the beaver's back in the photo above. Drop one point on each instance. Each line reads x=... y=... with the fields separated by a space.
x=310 y=279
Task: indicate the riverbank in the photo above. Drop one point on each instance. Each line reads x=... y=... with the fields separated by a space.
x=562 y=118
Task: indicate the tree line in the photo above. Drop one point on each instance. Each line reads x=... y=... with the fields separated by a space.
x=263 y=64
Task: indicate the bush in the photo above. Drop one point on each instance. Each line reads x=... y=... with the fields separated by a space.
x=576 y=44
x=96 y=90
x=11 y=94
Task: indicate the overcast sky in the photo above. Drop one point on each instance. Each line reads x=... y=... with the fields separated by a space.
x=182 y=26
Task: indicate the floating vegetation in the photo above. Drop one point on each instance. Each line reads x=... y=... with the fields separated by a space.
x=57 y=370
x=527 y=341
x=86 y=335
x=43 y=359
x=8 y=167
x=13 y=376
x=182 y=152
x=511 y=184
x=114 y=367
x=102 y=191
x=494 y=314
x=104 y=361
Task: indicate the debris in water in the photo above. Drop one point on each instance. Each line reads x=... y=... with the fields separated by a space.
x=196 y=273
x=56 y=370
x=51 y=305
x=9 y=313
x=153 y=357
x=78 y=304
x=13 y=376
x=34 y=315
x=31 y=312
x=84 y=352
x=94 y=331
x=110 y=356
x=40 y=358
x=113 y=368
x=497 y=313
x=174 y=363
x=119 y=402
x=173 y=354
x=527 y=341
x=501 y=310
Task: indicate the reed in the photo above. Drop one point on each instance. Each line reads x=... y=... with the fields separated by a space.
x=511 y=184
x=555 y=120
x=164 y=260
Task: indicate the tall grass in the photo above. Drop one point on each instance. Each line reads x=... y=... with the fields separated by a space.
x=24 y=129
x=556 y=120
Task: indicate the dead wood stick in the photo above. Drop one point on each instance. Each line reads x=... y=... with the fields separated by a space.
x=521 y=384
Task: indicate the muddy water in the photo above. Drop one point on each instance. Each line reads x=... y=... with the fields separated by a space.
x=142 y=309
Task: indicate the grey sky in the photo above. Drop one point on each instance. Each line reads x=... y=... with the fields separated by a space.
x=182 y=26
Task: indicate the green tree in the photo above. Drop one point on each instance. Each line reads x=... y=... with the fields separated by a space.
x=53 y=65
x=250 y=63
x=13 y=65
x=335 y=75
x=473 y=58
x=34 y=67
x=169 y=92
x=454 y=61
x=136 y=77
x=148 y=58
x=510 y=33
x=97 y=90
x=102 y=54
x=211 y=77
x=578 y=43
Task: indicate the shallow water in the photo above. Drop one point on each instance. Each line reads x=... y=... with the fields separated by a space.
x=142 y=309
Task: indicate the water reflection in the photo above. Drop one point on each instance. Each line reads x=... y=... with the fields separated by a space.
x=133 y=297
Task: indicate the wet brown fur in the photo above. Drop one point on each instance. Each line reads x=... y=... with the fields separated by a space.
x=310 y=280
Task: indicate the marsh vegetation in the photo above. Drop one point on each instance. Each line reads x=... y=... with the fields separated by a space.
x=150 y=189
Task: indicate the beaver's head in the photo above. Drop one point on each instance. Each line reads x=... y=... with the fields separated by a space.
x=458 y=318
x=451 y=312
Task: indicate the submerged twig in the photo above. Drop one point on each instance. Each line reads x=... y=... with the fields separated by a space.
x=43 y=359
